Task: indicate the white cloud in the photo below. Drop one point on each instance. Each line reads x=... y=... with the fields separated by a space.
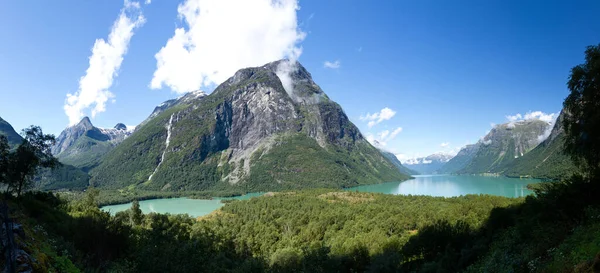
x=382 y=138
x=406 y=159
x=148 y=2
x=376 y=118
x=514 y=117
x=395 y=133
x=444 y=144
x=105 y=62
x=332 y=65
x=535 y=115
x=223 y=36
x=550 y=118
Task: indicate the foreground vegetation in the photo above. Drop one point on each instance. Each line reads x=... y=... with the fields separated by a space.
x=557 y=230
x=324 y=231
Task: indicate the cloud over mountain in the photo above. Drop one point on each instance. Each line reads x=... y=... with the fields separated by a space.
x=222 y=36
x=104 y=64
x=376 y=118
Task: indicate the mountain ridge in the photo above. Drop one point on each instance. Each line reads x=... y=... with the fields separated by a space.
x=83 y=145
x=265 y=128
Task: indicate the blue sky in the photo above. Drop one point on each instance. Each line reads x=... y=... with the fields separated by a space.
x=446 y=69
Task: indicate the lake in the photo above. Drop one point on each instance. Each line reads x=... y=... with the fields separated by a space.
x=193 y=207
x=453 y=185
x=433 y=185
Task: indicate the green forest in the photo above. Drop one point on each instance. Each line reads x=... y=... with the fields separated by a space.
x=316 y=230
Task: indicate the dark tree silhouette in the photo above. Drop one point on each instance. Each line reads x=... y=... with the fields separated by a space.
x=23 y=163
x=582 y=119
x=4 y=152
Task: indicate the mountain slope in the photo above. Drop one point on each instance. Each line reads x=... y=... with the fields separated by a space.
x=251 y=133
x=62 y=177
x=83 y=145
x=504 y=143
x=547 y=160
x=9 y=132
x=461 y=160
x=429 y=164
x=403 y=169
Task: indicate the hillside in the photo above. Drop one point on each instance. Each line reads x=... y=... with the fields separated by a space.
x=461 y=160
x=9 y=132
x=403 y=169
x=503 y=144
x=83 y=145
x=547 y=160
x=250 y=133
x=63 y=177
x=429 y=164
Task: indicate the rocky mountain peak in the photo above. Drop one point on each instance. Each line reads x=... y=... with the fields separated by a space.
x=259 y=116
x=69 y=137
x=85 y=124
x=120 y=126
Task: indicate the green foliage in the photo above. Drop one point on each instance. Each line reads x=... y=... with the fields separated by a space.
x=582 y=122
x=297 y=161
x=9 y=132
x=394 y=160
x=136 y=213
x=20 y=166
x=461 y=160
x=62 y=177
x=547 y=161
x=317 y=146
x=93 y=149
x=505 y=143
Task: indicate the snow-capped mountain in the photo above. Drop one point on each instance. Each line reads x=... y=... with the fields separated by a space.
x=429 y=164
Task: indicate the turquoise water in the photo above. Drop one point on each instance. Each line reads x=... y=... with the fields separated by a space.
x=434 y=185
x=453 y=185
x=193 y=207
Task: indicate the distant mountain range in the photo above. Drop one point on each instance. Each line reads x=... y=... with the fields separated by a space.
x=527 y=148
x=547 y=160
x=395 y=161
x=267 y=128
x=83 y=145
x=504 y=143
x=461 y=160
x=428 y=165
x=63 y=177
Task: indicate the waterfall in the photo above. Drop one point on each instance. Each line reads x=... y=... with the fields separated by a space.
x=162 y=157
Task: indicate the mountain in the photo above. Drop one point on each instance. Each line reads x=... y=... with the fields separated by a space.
x=429 y=164
x=265 y=128
x=458 y=162
x=547 y=160
x=190 y=97
x=504 y=143
x=403 y=169
x=62 y=177
x=83 y=145
x=9 y=132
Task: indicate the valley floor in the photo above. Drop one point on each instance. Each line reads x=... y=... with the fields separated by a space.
x=323 y=231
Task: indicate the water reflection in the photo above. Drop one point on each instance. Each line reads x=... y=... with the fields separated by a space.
x=450 y=185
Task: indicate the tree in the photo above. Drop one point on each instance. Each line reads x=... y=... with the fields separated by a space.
x=23 y=163
x=582 y=119
x=136 y=213
x=4 y=152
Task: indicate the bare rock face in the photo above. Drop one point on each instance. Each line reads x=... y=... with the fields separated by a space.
x=506 y=142
x=254 y=131
x=83 y=144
